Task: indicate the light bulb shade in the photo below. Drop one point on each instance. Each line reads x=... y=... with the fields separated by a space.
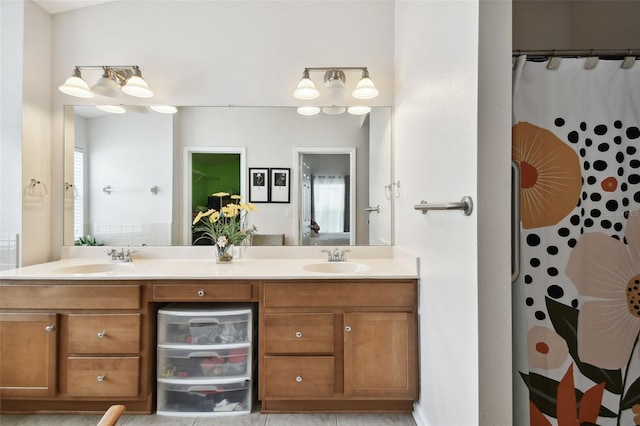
x=113 y=109
x=334 y=110
x=308 y=110
x=365 y=89
x=136 y=86
x=76 y=86
x=107 y=87
x=142 y=109
x=334 y=81
x=359 y=110
x=165 y=109
x=306 y=90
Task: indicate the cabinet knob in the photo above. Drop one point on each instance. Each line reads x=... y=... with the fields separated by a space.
x=200 y=293
x=298 y=334
x=101 y=334
x=49 y=328
x=100 y=378
x=299 y=379
x=347 y=328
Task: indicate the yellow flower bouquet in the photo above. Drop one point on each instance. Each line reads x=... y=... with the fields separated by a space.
x=225 y=228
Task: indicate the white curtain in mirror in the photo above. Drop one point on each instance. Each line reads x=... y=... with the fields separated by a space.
x=328 y=202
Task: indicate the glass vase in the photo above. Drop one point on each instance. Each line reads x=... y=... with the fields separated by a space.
x=224 y=254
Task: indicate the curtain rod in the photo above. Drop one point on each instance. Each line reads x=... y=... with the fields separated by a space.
x=585 y=52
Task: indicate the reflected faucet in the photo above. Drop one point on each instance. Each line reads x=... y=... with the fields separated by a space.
x=121 y=256
x=336 y=255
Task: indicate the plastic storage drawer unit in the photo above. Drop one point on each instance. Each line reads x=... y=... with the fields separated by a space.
x=221 y=398
x=203 y=364
x=205 y=360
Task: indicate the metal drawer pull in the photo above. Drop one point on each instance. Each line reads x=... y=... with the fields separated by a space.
x=100 y=378
x=200 y=293
x=101 y=334
x=49 y=328
x=347 y=328
x=466 y=204
x=299 y=379
x=298 y=334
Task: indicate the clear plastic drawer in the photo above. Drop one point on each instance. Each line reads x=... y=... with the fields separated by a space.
x=179 y=325
x=204 y=363
x=204 y=399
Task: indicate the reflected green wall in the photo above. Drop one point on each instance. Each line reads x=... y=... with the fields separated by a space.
x=213 y=173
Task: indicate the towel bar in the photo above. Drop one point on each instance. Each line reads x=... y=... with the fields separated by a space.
x=466 y=204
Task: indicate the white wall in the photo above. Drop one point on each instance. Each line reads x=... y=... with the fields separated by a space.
x=36 y=137
x=436 y=148
x=131 y=153
x=11 y=78
x=220 y=52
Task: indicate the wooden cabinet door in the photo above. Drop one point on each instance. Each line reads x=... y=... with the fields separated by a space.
x=28 y=354
x=380 y=355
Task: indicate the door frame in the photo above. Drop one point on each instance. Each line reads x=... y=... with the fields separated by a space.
x=298 y=152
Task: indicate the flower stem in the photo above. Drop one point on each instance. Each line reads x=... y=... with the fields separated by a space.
x=624 y=380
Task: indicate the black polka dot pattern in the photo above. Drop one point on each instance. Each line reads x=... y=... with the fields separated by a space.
x=608 y=153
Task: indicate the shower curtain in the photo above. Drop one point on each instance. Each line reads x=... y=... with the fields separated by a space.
x=576 y=141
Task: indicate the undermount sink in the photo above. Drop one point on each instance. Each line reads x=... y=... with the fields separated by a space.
x=336 y=267
x=94 y=268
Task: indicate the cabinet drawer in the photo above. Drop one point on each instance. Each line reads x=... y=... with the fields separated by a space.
x=60 y=296
x=202 y=292
x=103 y=377
x=298 y=376
x=104 y=334
x=298 y=333
x=331 y=294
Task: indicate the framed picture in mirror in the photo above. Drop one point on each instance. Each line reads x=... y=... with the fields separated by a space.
x=258 y=185
x=280 y=185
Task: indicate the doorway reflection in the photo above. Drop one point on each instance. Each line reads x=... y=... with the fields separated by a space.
x=326 y=195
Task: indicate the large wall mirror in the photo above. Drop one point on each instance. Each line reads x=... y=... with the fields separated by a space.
x=128 y=177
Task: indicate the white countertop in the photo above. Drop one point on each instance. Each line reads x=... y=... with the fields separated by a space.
x=287 y=263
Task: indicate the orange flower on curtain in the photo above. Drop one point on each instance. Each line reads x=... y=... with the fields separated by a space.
x=567 y=408
x=608 y=270
x=550 y=178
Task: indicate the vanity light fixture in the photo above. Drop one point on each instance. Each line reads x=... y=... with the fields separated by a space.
x=308 y=110
x=359 y=110
x=334 y=110
x=306 y=89
x=113 y=109
x=365 y=89
x=334 y=80
x=165 y=109
x=115 y=81
x=76 y=86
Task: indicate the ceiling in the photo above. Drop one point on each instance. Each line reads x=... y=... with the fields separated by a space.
x=58 y=6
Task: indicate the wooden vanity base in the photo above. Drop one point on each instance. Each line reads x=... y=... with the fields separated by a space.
x=324 y=345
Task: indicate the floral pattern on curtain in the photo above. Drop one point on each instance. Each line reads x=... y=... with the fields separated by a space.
x=576 y=139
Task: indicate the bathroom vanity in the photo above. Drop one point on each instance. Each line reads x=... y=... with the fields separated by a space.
x=78 y=335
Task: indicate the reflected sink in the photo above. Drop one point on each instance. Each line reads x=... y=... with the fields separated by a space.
x=336 y=267
x=95 y=268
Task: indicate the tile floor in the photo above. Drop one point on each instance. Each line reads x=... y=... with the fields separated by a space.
x=253 y=419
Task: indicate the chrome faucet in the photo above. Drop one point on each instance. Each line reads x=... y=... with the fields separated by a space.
x=336 y=255
x=120 y=256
